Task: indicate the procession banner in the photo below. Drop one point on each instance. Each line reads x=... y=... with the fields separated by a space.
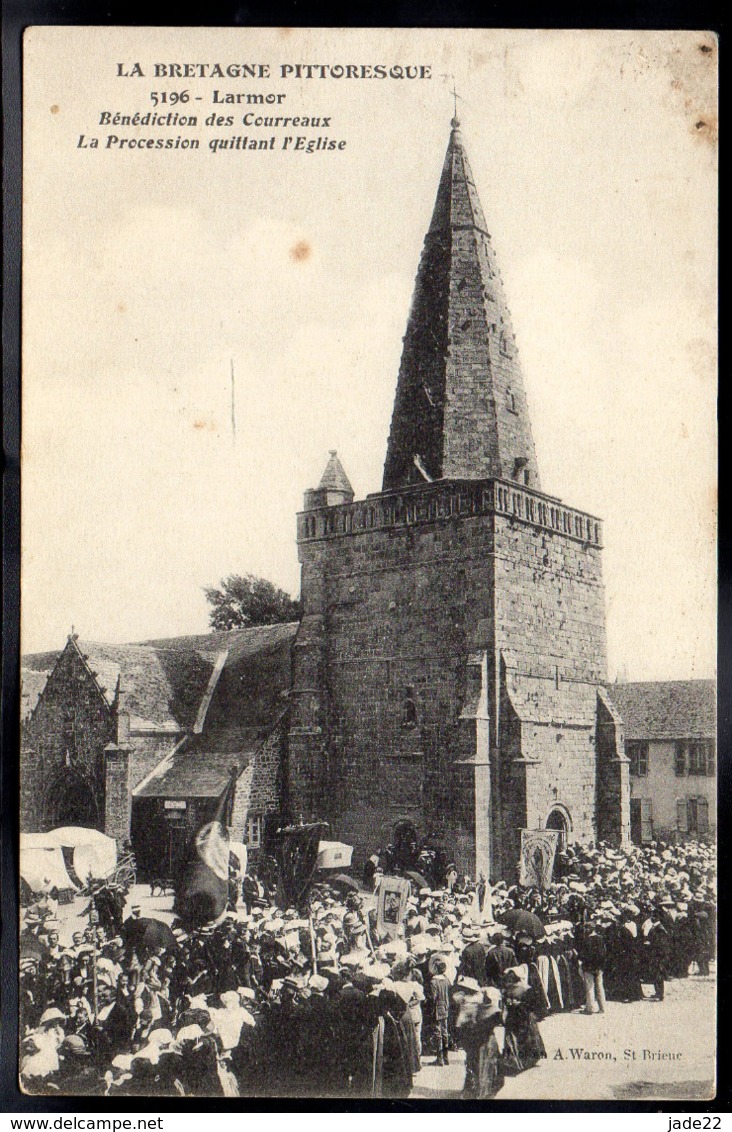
x=538 y=850
x=391 y=905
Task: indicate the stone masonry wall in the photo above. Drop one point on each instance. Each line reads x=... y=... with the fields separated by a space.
x=550 y=616
x=399 y=609
x=117 y=809
x=393 y=615
x=258 y=789
x=550 y=603
x=73 y=724
x=127 y=764
x=65 y=737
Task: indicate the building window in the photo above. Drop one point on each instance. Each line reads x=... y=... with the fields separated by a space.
x=692 y=815
x=680 y=760
x=410 y=709
x=641 y=820
x=701 y=759
x=254 y=831
x=697 y=759
x=638 y=755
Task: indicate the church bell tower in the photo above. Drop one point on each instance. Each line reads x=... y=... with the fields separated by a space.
x=448 y=671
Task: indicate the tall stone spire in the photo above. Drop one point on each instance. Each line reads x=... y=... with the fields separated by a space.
x=460 y=410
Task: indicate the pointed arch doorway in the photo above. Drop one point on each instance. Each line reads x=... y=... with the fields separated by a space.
x=71 y=801
x=560 y=819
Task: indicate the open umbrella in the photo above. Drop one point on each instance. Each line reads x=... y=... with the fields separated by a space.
x=519 y=920
x=418 y=879
x=343 y=882
x=147 y=934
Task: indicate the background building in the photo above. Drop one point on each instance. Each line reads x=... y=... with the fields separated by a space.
x=140 y=740
x=670 y=730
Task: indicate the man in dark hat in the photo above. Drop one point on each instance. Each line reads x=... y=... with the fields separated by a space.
x=654 y=948
x=590 y=946
x=251 y=889
x=625 y=946
x=440 y=995
x=120 y=1022
x=472 y=960
x=273 y=958
x=702 y=931
x=500 y=956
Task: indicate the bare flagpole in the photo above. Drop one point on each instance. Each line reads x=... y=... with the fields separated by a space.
x=233 y=405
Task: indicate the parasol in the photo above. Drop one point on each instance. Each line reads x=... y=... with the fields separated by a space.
x=520 y=920
x=418 y=879
x=343 y=882
x=148 y=934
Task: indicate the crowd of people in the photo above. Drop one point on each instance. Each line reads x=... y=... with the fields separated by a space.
x=321 y=1002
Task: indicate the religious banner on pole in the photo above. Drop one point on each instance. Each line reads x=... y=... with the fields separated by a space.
x=538 y=850
x=391 y=905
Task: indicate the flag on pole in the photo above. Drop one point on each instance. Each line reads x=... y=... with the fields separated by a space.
x=298 y=860
x=203 y=892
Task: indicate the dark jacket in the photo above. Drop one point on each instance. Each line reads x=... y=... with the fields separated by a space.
x=440 y=992
x=498 y=960
x=590 y=946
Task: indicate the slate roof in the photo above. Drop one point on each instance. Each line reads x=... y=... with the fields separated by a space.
x=163 y=683
x=32 y=683
x=159 y=687
x=193 y=774
x=673 y=709
x=247 y=703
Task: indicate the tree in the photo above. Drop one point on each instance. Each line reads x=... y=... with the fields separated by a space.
x=245 y=600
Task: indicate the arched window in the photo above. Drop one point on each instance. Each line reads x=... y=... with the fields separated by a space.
x=409 y=707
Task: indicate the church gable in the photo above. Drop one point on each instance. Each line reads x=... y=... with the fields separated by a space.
x=63 y=746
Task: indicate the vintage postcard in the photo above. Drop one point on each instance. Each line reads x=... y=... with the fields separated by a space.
x=368 y=564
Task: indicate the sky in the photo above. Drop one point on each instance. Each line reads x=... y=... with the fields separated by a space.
x=149 y=274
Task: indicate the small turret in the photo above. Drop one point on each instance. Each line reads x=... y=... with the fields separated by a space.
x=334 y=487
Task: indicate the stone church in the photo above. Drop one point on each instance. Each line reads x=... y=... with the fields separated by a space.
x=449 y=668
x=450 y=665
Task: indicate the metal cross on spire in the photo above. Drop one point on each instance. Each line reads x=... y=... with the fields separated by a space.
x=455 y=97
